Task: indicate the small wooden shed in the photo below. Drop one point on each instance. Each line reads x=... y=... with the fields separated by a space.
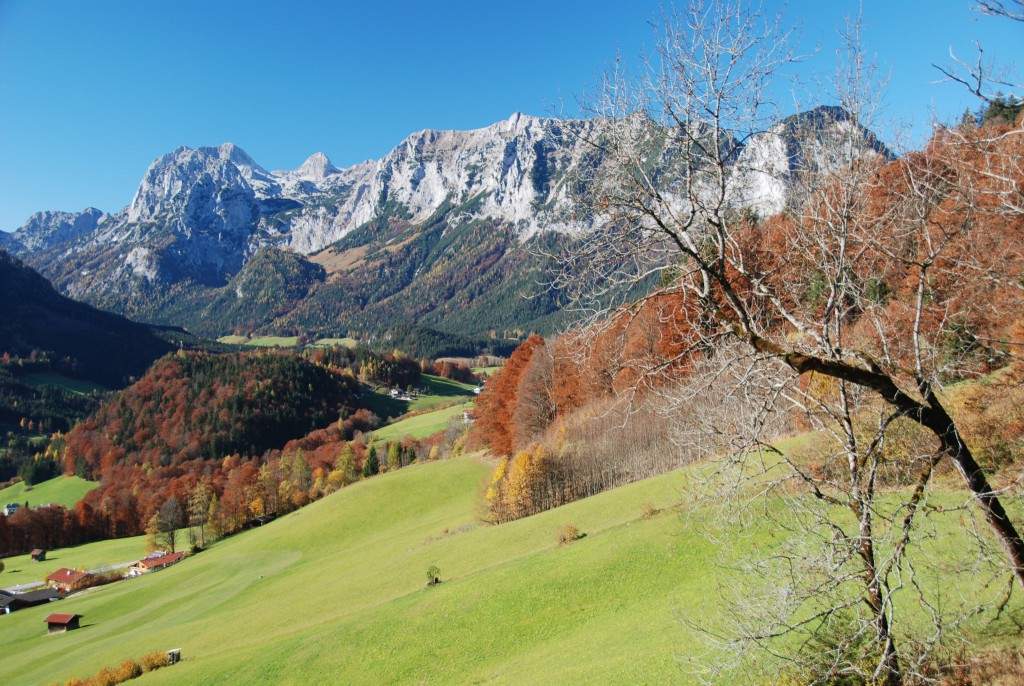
x=38 y=555
x=59 y=623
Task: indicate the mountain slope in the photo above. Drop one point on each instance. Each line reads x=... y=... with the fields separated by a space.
x=82 y=341
x=436 y=232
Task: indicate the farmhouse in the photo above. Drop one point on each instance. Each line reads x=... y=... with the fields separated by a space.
x=19 y=600
x=59 y=623
x=154 y=562
x=67 y=580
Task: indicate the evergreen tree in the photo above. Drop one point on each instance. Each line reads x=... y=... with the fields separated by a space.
x=372 y=465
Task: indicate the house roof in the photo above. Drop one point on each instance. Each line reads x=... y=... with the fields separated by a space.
x=36 y=551
x=5 y=600
x=160 y=561
x=67 y=576
x=60 y=618
x=36 y=596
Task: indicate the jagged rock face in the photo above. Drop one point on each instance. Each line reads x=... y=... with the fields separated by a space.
x=811 y=142
x=517 y=166
x=192 y=217
x=199 y=215
x=46 y=229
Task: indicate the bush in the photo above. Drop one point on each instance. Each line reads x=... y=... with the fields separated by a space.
x=569 y=533
x=129 y=669
x=648 y=510
x=106 y=677
x=433 y=575
x=154 y=661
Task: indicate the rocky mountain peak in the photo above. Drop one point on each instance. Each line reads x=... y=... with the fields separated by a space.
x=317 y=166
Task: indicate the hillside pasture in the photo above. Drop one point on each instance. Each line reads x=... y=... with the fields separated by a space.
x=79 y=386
x=20 y=569
x=422 y=425
x=61 y=490
x=335 y=592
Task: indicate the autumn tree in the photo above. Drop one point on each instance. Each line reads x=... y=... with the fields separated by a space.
x=394 y=455
x=163 y=526
x=883 y=277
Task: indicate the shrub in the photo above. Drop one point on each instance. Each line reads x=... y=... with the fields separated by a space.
x=433 y=575
x=106 y=677
x=648 y=510
x=129 y=669
x=569 y=533
x=154 y=661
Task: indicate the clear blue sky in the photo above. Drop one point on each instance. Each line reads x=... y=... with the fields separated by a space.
x=92 y=92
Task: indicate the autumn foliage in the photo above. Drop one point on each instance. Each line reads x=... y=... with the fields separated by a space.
x=927 y=241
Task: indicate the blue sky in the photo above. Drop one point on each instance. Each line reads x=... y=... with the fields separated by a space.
x=92 y=92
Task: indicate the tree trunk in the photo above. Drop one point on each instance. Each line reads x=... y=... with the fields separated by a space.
x=931 y=415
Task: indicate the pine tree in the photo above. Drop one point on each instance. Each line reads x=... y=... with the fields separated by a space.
x=372 y=464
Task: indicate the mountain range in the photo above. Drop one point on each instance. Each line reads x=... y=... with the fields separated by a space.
x=432 y=234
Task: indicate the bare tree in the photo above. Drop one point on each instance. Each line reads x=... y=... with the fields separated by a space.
x=881 y=278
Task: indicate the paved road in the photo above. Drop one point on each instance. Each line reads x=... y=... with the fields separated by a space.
x=99 y=570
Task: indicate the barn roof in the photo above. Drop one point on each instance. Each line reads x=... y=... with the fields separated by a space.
x=60 y=618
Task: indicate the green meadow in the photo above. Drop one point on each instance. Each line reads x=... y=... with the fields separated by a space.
x=335 y=593
x=422 y=425
x=79 y=386
x=20 y=569
x=62 y=490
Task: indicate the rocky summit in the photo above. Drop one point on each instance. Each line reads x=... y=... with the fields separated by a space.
x=431 y=233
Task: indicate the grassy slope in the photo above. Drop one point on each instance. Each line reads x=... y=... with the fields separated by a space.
x=439 y=392
x=79 y=386
x=62 y=490
x=21 y=570
x=422 y=425
x=334 y=592
x=261 y=341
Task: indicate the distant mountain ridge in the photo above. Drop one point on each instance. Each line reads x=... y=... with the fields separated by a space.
x=432 y=233
x=82 y=341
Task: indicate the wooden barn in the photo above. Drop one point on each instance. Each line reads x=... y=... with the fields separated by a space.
x=38 y=555
x=59 y=623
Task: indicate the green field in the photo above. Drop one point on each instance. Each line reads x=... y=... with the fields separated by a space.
x=337 y=342
x=439 y=392
x=20 y=569
x=63 y=490
x=422 y=425
x=334 y=593
x=261 y=341
x=79 y=386
x=284 y=341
